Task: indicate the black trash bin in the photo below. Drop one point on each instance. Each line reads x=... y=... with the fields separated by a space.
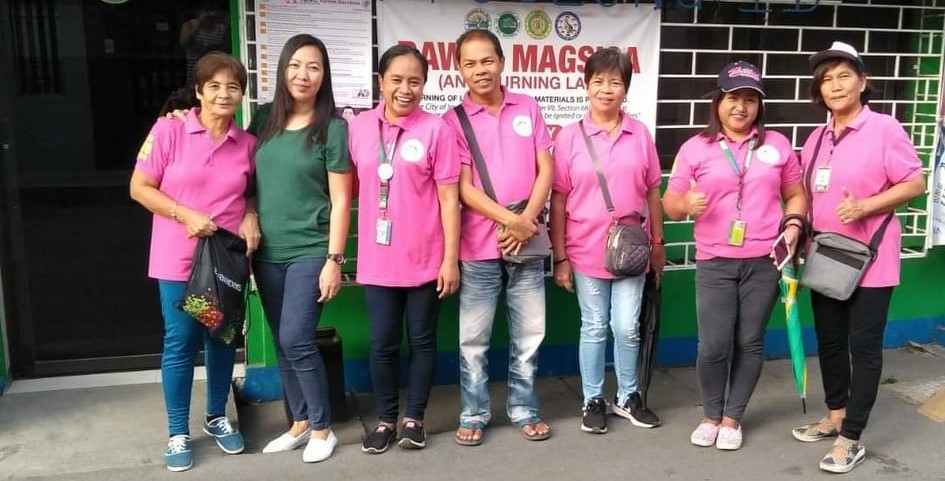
x=329 y=345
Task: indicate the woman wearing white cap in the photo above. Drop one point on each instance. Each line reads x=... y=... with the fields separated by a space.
x=858 y=169
x=732 y=178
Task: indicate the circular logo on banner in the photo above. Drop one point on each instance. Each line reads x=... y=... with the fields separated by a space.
x=477 y=18
x=508 y=24
x=522 y=125
x=538 y=24
x=768 y=154
x=412 y=150
x=567 y=26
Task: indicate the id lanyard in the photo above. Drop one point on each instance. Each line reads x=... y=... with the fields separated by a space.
x=385 y=165
x=736 y=232
x=739 y=172
x=385 y=172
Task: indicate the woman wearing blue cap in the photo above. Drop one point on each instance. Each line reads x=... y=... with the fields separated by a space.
x=732 y=178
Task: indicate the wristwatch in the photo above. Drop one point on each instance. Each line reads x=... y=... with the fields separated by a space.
x=337 y=259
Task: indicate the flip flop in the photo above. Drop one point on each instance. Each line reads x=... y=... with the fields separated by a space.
x=537 y=436
x=472 y=426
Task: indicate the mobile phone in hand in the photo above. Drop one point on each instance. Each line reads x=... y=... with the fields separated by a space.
x=781 y=253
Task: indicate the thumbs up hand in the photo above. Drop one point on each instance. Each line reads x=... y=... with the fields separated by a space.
x=850 y=208
x=695 y=200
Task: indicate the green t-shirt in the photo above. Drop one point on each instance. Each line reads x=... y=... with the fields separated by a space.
x=292 y=189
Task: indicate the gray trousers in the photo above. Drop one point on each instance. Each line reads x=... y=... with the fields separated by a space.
x=734 y=298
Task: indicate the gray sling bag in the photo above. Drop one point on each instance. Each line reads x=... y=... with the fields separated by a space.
x=835 y=264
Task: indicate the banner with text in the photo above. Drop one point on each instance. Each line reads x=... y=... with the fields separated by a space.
x=343 y=25
x=545 y=48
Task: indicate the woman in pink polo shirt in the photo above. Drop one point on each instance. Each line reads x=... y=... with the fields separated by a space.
x=194 y=176
x=732 y=178
x=623 y=153
x=408 y=238
x=858 y=169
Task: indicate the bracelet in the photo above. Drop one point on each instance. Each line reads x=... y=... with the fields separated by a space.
x=559 y=261
x=802 y=220
x=657 y=241
x=174 y=212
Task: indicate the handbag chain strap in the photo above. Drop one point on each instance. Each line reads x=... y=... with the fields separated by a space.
x=600 y=177
x=878 y=235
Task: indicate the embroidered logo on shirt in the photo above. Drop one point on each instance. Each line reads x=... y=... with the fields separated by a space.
x=522 y=125
x=768 y=154
x=144 y=153
x=412 y=150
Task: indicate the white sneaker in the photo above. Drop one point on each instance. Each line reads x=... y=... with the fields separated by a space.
x=729 y=439
x=704 y=435
x=287 y=442
x=319 y=449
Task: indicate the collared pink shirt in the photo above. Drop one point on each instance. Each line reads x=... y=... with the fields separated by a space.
x=873 y=154
x=631 y=167
x=424 y=157
x=182 y=158
x=773 y=167
x=510 y=143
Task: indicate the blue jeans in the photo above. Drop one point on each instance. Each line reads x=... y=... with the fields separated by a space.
x=387 y=307
x=614 y=303
x=482 y=283
x=183 y=336
x=289 y=294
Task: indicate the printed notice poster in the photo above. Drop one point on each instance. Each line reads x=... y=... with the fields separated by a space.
x=545 y=48
x=344 y=26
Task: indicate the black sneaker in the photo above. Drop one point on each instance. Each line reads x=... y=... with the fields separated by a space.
x=379 y=440
x=595 y=417
x=412 y=436
x=634 y=410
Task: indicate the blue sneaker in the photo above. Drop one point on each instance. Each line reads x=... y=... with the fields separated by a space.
x=230 y=440
x=178 y=456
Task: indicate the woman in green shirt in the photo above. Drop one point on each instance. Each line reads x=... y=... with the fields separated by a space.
x=303 y=186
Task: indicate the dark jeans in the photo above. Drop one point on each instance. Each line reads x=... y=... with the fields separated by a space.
x=289 y=292
x=387 y=308
x=850 y=347
x=734 y=299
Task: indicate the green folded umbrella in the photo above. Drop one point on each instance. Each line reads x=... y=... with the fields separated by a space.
x=789 y=285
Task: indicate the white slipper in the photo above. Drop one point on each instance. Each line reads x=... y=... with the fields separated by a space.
x=287 y=442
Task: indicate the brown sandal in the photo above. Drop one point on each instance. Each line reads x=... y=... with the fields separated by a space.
x=474 y=426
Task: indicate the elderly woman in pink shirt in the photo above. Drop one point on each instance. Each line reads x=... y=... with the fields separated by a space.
x=858 y=169
x=732 y=178
x=622 y=152
x=194 y=177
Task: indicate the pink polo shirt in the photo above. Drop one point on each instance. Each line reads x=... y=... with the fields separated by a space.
x=510 y=142
x=189 y=168
x=424 y=158
x=773 y=166
x=631 y=167
x=872 y=154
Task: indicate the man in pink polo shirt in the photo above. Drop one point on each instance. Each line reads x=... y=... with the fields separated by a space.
x=515 y=146
x=858 y=169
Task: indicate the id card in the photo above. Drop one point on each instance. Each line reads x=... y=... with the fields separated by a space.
x=382 y=232
x=822 y=179
x=736 y=233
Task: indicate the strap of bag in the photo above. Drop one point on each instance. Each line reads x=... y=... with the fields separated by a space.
x=597 y=168
x=474 y=150
x=600 y=176
x=877 y=236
